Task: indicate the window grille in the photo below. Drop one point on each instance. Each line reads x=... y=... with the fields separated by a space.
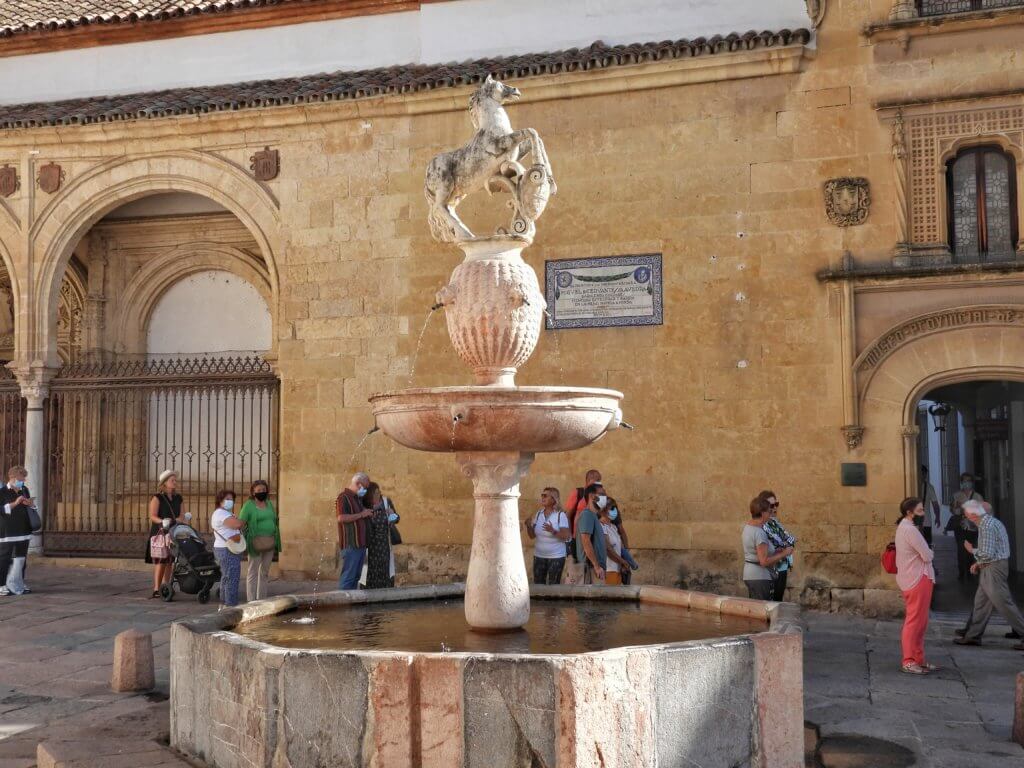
x=982 y=205
x=943 y=7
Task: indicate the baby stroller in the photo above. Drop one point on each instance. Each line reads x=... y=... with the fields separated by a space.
x=195 y=568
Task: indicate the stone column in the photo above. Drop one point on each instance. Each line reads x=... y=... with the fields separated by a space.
x=909 y=433
x=497 y=588
x=899 y=164
x=903 y=9
x=35 y=379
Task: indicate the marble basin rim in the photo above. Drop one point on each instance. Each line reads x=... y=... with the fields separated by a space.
x=489 y=418
x=240 y=702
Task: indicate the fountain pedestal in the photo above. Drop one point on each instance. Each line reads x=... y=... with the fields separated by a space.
x=497 y=587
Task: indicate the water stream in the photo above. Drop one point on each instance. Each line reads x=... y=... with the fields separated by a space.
x=419 y=343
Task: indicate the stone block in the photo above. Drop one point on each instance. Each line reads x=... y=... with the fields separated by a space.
x=109 y=753
x=779 y=689
x=883 y=603
x=133 y=662
x=847 y=601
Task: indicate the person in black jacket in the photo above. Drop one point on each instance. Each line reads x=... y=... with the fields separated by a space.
x=15 y=531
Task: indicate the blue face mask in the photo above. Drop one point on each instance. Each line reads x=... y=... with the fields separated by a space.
x=19 y=484
x=392 y=518
x=361 y=492
x=614 y=514
x=228 y=504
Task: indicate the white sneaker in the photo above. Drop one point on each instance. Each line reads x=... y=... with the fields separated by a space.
x=5 y=592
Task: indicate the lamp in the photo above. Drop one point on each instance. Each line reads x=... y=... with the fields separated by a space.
x=939 y=412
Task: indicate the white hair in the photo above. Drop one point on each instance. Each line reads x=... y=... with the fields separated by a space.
x=975 y=508
x=360 y=478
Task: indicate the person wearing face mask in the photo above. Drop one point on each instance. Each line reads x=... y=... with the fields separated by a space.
x=352 y=530
x=263 y=539
x=16 y=528
x=963 y=529
x=379 y=570
x=617 y=565
x=227 y=527
x=615 y=516
x=916 y=579
x=591 y=548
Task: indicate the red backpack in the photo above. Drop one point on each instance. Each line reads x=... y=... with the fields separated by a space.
x=889 y=558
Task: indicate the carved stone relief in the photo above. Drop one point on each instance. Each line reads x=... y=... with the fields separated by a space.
x=50 y=178
x=816 y=11
x=265 y=164
x=847 y=200
x=9 y=182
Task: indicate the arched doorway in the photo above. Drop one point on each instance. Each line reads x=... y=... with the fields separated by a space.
x=169 y=371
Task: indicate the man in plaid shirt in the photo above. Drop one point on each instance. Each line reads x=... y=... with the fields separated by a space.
x=992 y=564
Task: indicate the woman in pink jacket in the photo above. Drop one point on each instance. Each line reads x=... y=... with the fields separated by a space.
x=916 y=579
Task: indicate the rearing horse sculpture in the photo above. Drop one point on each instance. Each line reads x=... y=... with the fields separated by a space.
x=491 y=159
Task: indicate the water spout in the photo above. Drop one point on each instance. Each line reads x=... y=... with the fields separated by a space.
x=627 y=425
x=437 y=306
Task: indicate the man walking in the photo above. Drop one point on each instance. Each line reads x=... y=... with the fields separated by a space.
x=992 y=564
x=352 y=532
x=963 y=529
x=15 y=532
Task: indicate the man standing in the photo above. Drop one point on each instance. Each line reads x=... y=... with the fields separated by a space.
x=590 y=543
x=15 y=532
x=992 y=563
x=963 y=529
x=932 y=510
x=352 y=532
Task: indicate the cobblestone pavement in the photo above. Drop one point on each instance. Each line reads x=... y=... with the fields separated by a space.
x=56 y=646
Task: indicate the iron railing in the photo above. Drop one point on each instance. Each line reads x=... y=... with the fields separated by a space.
x=12 y=423
x=113 y=428
x=943 y=7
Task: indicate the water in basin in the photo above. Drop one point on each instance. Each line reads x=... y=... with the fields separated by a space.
x=555 y=626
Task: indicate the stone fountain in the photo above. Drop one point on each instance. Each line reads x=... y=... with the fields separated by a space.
x=602 y=677
x=495 y=310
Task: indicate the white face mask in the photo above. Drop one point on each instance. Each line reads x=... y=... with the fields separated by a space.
x=602 y=502
x=228 y=504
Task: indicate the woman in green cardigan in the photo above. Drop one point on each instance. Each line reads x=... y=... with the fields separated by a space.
x=263 y=536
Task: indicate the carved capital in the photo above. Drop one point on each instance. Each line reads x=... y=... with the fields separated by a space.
x=910 y=431
x=816 y=11
x=34 y=379
x=854 y=435
x=495 y=474
x=903 y=9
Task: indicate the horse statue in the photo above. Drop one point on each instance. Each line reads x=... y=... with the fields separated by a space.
x=491 y=160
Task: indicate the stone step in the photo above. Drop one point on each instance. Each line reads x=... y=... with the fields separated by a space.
x=108 y=753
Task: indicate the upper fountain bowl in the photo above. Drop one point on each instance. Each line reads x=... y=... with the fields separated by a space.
x=524 y=419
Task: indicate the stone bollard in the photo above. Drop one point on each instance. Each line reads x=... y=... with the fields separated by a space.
x=1018 y=711
x=133 y=662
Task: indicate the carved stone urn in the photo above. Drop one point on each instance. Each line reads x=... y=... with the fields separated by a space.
x=494 y=309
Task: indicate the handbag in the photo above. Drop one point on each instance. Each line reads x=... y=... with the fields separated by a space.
x=159 y=546
x=396 y=537
x=263 y=544
x=34 y=520
x=889 y=558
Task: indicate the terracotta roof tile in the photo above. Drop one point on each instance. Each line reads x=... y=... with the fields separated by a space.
x=339 y=86
x=19 y=16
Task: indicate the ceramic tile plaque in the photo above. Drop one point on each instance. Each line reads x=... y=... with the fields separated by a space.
x=604 y=291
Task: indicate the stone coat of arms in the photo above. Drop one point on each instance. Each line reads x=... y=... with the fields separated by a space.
x=847 y=200
x=265 y=164
x=9 y=183
x=50 y=178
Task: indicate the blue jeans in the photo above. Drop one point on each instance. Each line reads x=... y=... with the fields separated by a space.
x=351 y=567
x=230 y=572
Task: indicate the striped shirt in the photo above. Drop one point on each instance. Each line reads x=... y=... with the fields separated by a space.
x=350 y=534
x=993 y=543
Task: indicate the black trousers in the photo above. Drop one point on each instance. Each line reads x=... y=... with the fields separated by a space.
x=780 y=586
x=8 y=551
x=963 y=557
x=762 y=589
x=548 y=570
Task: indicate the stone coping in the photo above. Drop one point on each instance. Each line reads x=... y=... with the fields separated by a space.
x=780 y=618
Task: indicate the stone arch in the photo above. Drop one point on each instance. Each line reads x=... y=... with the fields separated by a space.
x=94 y=194
x=972 y=351
x=150 y=283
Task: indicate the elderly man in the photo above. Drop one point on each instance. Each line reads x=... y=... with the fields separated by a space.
x=992 y=564
x=352 y=517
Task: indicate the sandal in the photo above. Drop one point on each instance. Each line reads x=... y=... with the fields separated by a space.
x=156 y=593
x=913 y=669
x=930 y=668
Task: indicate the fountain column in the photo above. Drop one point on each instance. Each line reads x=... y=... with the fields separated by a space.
x=497 y=587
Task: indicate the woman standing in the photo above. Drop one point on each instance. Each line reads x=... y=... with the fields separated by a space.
x=618 y=569
x=759 y=554
x=380 y=560
x=164 y=504
x=915 y=577
x=550 y=529
x=263 y=535
x=615 y=515
x=780 y=538
x=227 y=527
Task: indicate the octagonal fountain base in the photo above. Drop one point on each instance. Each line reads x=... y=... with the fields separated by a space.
x=726 y=701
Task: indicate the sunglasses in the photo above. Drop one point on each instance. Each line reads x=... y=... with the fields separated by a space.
x=773 y=506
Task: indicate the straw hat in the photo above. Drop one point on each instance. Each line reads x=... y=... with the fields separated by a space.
x=166 y=474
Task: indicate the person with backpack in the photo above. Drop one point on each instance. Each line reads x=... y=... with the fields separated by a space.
x=916 y=579
x=551 y=530
x=574 y=571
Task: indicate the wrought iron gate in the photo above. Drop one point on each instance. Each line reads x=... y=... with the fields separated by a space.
x=12 y=423
x=113 y=428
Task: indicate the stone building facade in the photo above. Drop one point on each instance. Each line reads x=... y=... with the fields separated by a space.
x=794 y=181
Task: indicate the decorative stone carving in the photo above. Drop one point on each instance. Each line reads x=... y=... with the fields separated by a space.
x=847 y=200
x=910 y=431
x=9 y=182
x=265 y=164
x=816 y=11
x=903 y=9
x=853 y=435
x=490 y=161
x=995 y=314
x=494 y=309
x=899 y=165
x=50 y=177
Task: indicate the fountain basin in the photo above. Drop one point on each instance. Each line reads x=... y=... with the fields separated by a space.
x=508 y=419
x=724 y=701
